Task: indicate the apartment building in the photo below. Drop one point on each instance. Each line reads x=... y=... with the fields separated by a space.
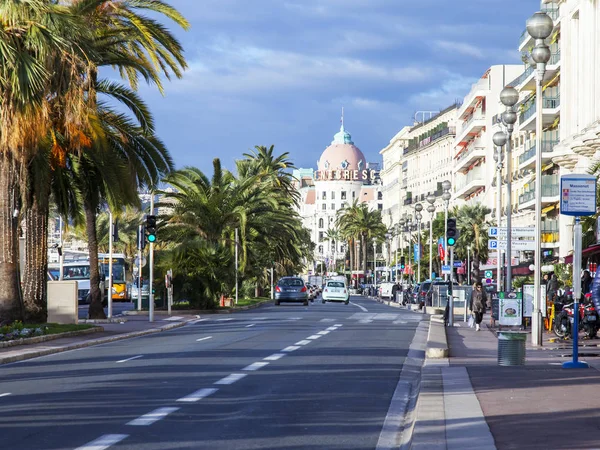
x=415 y=163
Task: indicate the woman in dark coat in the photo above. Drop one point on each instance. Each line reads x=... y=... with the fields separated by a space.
x=478 y=302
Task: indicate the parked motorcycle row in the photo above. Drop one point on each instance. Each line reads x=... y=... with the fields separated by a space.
x=589 y=320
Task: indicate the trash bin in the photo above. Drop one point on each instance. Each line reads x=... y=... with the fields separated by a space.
x=511 y=348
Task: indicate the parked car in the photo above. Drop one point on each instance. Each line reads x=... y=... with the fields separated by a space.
x=133 y=290
x=291 y=289
x=336 y=291
x=385 y=290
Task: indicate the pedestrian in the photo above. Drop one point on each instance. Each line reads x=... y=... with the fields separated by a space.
x=394 y=291
x=478 y=304
x=552 y=288
x=586 y=282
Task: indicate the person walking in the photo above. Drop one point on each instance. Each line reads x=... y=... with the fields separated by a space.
x=586 y=282
x=478 y=304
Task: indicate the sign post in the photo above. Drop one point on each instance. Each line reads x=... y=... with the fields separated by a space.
x=577 y=198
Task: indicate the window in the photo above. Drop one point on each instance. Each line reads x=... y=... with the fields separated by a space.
x=380 y=207
x=332 y=195
x=343 y=195
x=380 y=196
x=324 y=196
x=324 y=208
x=321 y=222
x=353 y=195
x=320 y=236
x=333 y=206
x=321 y=249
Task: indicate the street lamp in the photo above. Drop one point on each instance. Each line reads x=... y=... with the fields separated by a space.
x=419 y=216
x=539 y=27
x=499 y=139
x=409 y=225
x=446 y=196
x=431 y=209
x=375 y=265
x=509 y=97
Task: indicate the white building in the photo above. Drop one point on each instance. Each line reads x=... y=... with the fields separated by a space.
x=342 y=177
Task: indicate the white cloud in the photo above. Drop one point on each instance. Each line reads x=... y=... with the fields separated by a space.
x=451 y=88
x=459 y=47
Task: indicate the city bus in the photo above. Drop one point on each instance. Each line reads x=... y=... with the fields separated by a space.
x=119 y=269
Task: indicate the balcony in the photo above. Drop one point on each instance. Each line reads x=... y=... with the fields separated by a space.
x=551 y=108
x=429 y=140
x=470 y=155
x=470 y=182
x=527 y=159
x=479 y=89
x=408 y=201
x=471 y=128
x=521 y=78
x=550 y=193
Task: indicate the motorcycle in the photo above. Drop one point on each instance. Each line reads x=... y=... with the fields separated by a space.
x=589 y=320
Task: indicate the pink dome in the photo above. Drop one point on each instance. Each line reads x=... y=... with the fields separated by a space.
x=342 y=154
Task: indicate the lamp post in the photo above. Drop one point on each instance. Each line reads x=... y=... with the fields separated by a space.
x=509 y=97
x=499 y=139
x=409 y=226
x=539 y=27
x=401 y=223
x=419 y=216
x=389 y=251
x=468 y=264
x=431 y=209
x=446 y=196
x=375 y=265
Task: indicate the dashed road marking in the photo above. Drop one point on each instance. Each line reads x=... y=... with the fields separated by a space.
x=130 y=359
x=338 y=325
x=324 y=332
x=103 y=442
x=314 y=336
x=230 y=379
x=204 y=338
x=6 y=394
x=251 y=325
x=274 y=357
x=291 y=348
x=197 y=321
x=332 y=328
x=151 y=417
x=302 y=342
x=327 y=320
x=224 y=320
x=256 y=365
x=199 y=394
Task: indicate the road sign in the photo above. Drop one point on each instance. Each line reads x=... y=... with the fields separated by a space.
x=488 y=274
x=578 y=195
x=446 y=270
x=488 y=281
x=136 y=262
x=515 y=245
x=500 y=232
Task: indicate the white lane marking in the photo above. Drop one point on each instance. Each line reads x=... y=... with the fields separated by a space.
x=204 y=338
x=259 y=318
x=199 y=394
x=302 y=342
x=251 y=325
x=291 y=348
x=256 y=366
x=130 y=359
x=314 y=336
x=365 y=321
x=324 y=332
x=361 y=307
x=103 y=442
x=224 y=320
x=397 y=322
x=230 y=379
x=332 y=328
x=327 y=320
x=274 y=357
x=151 y=417
x=199 y=320
x=174 y=318
x=6 y=394
x=338 y=325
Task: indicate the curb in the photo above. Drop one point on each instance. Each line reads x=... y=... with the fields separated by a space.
x=50 y=351
x=48 y=337
x=437 y=341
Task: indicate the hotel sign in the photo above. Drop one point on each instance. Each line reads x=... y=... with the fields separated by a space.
x=350 y=175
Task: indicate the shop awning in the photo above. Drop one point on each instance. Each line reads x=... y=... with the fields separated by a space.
x=591 y=250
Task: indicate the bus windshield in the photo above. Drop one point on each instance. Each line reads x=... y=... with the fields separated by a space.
x=118 y=268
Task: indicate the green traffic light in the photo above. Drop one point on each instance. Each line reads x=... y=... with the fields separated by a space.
x=451 y=241
x=151 y=238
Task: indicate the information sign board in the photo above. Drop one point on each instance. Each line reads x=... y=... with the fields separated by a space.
x=528 y=291
x=510 y=308
x=578 y=195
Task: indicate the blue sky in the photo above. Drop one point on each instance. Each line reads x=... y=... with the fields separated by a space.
x=278 y=72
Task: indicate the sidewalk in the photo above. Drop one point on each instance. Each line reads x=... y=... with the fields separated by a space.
x=133 y=326
x=468 y=401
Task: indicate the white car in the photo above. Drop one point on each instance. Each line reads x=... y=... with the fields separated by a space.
x=335 y=291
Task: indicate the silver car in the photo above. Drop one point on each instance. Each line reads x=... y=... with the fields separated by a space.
x=291 y=289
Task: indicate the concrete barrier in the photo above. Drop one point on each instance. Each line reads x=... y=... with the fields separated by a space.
x=437 y=342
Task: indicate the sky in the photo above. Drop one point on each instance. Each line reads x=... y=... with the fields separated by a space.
x=278 y=72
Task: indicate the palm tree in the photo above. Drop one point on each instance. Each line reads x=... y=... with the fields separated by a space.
x=472 y=227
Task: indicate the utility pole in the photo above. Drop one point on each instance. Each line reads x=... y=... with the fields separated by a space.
x=110 y=262
x=236 y=266
x=151 y=268
x=140 y=246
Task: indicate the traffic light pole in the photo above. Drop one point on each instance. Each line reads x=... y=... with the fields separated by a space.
x=140 y=245
x=151 y=269
x=450 y=292
x=110 y=263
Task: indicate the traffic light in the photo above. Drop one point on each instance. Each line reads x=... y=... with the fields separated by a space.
x=151 y=228
x=451 y=232
x=402 y=262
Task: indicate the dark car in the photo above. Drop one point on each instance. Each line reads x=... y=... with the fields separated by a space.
x=422 y=292
x=291 y=289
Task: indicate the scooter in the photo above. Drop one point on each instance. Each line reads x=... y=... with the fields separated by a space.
x=589 y=319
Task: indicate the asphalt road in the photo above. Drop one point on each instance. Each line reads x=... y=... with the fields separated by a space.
x=316 y=377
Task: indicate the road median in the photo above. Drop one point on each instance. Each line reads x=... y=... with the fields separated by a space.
x=437 y=341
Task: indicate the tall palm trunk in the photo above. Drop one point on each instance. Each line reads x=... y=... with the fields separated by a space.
x=10 y=303
x=476 y=262
x=36 y=263
x=351 y=251
x=96 y=311
x=365 y=248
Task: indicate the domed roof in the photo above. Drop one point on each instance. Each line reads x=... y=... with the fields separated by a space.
x=342 y=154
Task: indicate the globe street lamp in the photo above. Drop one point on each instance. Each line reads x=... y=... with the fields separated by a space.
x=409 y=226
x=446 y=196
x=418 y=216
x=431 y=209
x=499 y=139
x=389 y=248
x=509 y=97
x=539 y=27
